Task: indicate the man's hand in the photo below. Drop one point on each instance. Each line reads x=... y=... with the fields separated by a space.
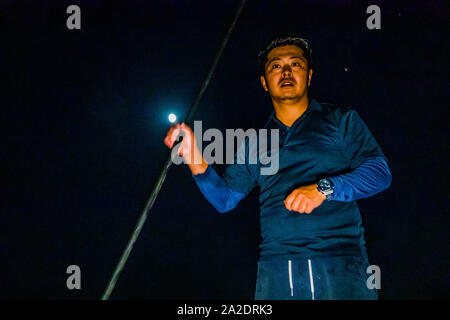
x=188 y=147
x=304 y=199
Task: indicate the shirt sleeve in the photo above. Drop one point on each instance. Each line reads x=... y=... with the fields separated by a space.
x=225 y=192
x=216 y=190
x=358 y=142
x=369 y=178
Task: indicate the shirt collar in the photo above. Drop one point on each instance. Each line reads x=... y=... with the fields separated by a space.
x=313 y=105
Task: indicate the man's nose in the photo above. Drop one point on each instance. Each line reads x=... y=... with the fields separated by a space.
x=286 y=71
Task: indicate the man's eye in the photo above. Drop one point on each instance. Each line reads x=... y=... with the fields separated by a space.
x=275 y=66
x=295 y=64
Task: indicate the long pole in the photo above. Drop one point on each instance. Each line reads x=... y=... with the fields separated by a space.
x=163 y=174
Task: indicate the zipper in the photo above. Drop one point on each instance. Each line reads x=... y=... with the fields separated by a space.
x=311 y=281
x=290 y=277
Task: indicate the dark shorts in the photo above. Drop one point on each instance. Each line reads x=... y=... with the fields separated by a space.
x=342 y=278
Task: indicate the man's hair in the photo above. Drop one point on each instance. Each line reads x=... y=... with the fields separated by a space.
x=287 y=40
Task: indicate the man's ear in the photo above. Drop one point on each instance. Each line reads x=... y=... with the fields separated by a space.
x=263 y=82
x=310 y=76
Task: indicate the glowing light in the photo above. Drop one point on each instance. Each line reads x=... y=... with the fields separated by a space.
x=172 y=118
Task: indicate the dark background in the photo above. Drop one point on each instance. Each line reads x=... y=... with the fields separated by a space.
x=84 y=113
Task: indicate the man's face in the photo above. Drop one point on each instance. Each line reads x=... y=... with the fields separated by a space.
x=286 y=77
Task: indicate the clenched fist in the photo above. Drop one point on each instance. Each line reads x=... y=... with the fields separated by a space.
x=304 y=199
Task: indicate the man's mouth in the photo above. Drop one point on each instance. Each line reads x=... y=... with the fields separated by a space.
x=287 y=83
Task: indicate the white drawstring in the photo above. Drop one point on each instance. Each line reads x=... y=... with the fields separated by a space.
x=311 y=278
x=290 y=277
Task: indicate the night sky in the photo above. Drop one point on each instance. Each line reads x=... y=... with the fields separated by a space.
x=84 y=113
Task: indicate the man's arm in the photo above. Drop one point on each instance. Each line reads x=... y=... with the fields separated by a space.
x=369 y=173
x=370 y=178
x=213 y=187
x=216 y=190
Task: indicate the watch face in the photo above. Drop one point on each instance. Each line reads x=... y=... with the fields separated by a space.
x=326 y=187
x=324 y=184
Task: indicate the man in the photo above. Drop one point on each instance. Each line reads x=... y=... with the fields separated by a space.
x=312 y=239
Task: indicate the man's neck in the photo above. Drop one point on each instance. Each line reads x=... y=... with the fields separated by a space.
x=287 y=113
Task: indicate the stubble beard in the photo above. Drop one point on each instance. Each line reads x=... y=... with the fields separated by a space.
x=288 y=98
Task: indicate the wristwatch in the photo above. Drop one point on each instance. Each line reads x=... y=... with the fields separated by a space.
x=326 y=187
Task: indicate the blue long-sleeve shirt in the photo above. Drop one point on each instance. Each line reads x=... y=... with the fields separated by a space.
x=325 y=142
